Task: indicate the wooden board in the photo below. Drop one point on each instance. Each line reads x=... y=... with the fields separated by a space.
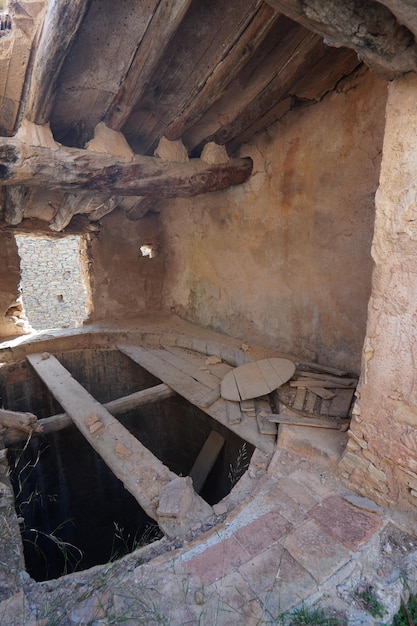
x=313 y=422
x=256 y=379
x=188 y=367
x=136 y=464
x=115 y=407
x=206 y=459
x=181 y=382
x=200 y=395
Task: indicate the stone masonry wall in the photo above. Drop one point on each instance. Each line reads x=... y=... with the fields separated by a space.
x=52 y=282
x=381 y=456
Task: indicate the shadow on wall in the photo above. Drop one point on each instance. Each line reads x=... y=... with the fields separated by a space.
x=54 y=280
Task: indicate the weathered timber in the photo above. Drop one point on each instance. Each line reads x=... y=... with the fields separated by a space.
x=320 y=368
x=74 y=204
x=207 y=35
x=115 y=407
x=270 y=82
x=136 y=207
x=314 y=422
x=207 y=457
x=15 y=204
x=233 y=412
x=343 y=380
x=321 y=392
x=142 y=474
x=24 y=422
x=313 y=382
x=74 y=169
x=196 y=392
x=222 y=75
x=256 y=379
x=60 y=27
x=164 y=24
x=369 y=28
x=182 y=363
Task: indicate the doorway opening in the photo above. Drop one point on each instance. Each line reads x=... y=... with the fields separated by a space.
x=54 y=280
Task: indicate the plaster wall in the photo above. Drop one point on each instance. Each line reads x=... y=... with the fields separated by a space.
x=123 y=282
x=285 y=259
x=381 y=456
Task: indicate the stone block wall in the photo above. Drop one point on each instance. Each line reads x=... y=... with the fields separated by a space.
x=53 y=285
x=381 y=456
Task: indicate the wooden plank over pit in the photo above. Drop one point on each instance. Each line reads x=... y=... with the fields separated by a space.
x=197 y=393
x=140 y=471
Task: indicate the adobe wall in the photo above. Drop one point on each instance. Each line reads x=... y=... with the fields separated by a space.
x=123 y=282
x=381 y=456
x=285 y=259
x=9 y=287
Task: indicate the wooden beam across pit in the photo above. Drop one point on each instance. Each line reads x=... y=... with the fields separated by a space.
x=142 y=474
x=119 y=406
x=189 y=384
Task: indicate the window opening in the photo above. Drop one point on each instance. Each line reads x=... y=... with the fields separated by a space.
x=54 y=280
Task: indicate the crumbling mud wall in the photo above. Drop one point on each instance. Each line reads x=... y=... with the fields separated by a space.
x=9 y=287
x=285 y=259
x=381 y=456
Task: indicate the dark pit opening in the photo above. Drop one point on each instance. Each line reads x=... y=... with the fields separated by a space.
x=75 y=512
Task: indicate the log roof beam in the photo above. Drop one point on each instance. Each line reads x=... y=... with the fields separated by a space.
x=369 y=28
x=73 y=170
x=163 y=25
x=62 y=21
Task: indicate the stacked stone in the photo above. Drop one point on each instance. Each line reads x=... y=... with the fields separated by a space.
x=53 y=291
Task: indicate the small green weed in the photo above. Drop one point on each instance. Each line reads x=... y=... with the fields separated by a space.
x=239 y=467
x=310 y=616
x=407 y=615
x=370 y=602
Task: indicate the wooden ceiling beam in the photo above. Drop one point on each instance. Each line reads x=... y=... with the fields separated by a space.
x=207 y=35
x=267 y=84
x=224 y=73
x=164 y=24
x=368 y=28
x=62 y=21
x=81 y=204
x=73 y=170
x=15 y=204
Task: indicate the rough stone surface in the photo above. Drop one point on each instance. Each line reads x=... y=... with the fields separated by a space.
x=54 y=289
x=382 y=459
x=285 y=258
x=9 y=291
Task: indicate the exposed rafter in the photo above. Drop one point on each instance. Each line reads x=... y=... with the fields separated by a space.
x=61 y=24
x=222 y=75
x=15 y=205
x=164 y=24
x=368 y=27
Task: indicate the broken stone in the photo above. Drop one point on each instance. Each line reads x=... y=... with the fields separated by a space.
x=45 y=355
x=92 y=419
x=121 y=450
x=212 y=360
x=95 y=427
x=180 y=508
